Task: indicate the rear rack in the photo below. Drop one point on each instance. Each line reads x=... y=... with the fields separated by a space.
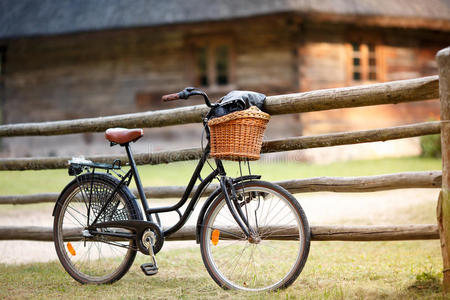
x=76 y=165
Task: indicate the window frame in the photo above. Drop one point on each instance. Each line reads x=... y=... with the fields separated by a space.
x=364 y=60
x=211 y=43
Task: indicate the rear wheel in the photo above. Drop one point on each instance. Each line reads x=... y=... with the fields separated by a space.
x=93 y=258
x=274 y=257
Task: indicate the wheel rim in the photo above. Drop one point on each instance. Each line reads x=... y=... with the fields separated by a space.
x=92 y=259
x=258 y=265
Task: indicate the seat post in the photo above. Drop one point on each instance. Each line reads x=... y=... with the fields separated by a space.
x=137 y=180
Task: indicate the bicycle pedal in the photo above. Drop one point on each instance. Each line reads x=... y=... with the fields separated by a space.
x=149 y=269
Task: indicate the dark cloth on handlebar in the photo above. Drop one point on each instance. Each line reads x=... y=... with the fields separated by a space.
x=236 y=101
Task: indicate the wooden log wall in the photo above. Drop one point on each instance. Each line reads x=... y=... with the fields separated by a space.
x=127 y=70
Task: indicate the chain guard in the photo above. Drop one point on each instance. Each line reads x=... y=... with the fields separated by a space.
x=139 y=228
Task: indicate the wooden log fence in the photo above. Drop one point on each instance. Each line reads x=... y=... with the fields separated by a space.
x=419 y=89
x=319 y=233
x=288 y=144
x=405 y=180
x=375 y=94
x=443 y=207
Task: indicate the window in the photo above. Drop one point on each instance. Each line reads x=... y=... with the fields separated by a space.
x=202 y=66
x=222 y=62
x=212 y=64
x=365 y=62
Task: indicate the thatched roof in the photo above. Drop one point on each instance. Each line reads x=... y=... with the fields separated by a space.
x=20 y=18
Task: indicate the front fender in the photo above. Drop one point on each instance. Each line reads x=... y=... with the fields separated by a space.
x=211 y=198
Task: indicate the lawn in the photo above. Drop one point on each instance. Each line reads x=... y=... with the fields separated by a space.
x=334 y=270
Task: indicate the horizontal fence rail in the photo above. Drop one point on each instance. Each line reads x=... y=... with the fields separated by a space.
x=318 y=233
x=287 y=144
x=375 y=94
x=405 y=180
x=419 y=89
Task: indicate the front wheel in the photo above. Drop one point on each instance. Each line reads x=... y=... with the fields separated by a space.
x=274 y=257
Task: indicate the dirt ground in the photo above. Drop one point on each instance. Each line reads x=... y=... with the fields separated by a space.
x=320 y=208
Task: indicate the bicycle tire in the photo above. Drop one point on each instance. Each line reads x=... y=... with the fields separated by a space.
x=267 y=271
x=98 y=259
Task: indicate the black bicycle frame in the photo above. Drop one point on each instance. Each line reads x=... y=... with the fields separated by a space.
x=225 y=185
x=190 y=208
x=218 y=171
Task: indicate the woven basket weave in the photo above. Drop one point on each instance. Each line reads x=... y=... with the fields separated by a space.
x=238 y=135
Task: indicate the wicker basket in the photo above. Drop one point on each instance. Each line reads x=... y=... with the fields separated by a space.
x=238 y=135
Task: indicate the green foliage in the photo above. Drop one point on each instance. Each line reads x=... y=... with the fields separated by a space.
x=427 y=281
x=430 y=145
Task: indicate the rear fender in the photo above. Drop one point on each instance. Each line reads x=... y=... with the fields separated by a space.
x=124 y=189
x=58 y=202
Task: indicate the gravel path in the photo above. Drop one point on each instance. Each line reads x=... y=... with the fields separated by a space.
x=320 y=208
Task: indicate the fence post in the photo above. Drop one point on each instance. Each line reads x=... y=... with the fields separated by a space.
x=443 y=207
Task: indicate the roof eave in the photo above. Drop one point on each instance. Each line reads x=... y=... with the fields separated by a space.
x=360 y=20
x=383 y=21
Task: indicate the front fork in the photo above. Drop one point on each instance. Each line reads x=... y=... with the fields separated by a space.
x=226 y=184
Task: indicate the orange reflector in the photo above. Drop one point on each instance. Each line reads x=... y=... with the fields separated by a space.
x=70 y=248
x=215 y=237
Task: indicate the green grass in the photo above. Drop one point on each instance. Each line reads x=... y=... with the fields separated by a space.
x=29 y=182
x=334 y=270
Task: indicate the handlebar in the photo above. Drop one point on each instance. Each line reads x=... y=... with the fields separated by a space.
x=186 y=93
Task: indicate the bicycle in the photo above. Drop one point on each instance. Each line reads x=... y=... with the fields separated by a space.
x=253 y=234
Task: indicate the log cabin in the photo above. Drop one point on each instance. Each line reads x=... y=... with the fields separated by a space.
x=74 y=59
